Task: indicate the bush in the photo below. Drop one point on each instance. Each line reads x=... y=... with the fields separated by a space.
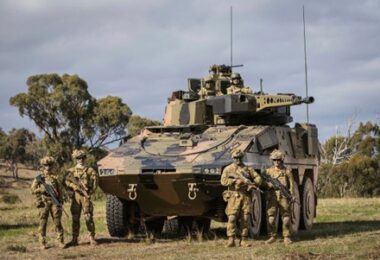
x=10 y=198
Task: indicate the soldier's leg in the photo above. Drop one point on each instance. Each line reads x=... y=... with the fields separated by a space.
x=88 y=210
x=272 y=214
x=232 y=210
x=75 y=209
x=285 y=213
x=244 y=221
x=43 y=217
x=57 y=217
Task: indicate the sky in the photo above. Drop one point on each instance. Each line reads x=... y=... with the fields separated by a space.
x=143 y=50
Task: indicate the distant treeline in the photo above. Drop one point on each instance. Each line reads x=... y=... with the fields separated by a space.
x=351 y=164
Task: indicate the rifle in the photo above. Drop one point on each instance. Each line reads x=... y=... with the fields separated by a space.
x=280 y=187
x=81 y=187
x=53 y=194
x=246 y=181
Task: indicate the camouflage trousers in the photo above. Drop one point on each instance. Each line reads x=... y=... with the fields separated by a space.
x=79 y=203
x=50 y=209
x=238 y=209
x=276 y=203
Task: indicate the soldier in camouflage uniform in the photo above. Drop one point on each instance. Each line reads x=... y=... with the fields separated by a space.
x=209 y=88
x=45 y=203
x=237 y=85
x=275 y=200
x=240 y=181
x=83 y=181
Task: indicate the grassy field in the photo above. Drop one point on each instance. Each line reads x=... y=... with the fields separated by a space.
x=344 y=229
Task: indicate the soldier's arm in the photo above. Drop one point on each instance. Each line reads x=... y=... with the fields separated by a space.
x=247 y=90
x=36 y=188
x=94 y=180
x=224 y=180
x=291 y=180
x=69 y=182
x=255 y=177
x=229 y=90
x=267 y=184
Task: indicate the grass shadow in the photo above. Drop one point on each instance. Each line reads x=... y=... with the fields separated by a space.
x=336 y=229
x=17 y=226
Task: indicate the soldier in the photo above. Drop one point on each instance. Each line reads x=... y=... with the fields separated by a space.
x=275 y=200
x=209 y=89
x=45 y=201
x=237 y=85
x=240 y=181
x=83 y=181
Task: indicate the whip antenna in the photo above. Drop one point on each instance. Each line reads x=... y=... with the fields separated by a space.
x=231 y=60
x=304 y=48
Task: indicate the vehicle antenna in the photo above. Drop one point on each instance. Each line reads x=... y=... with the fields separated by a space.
x=304 y=48
x=261 y=86
x=231 y=60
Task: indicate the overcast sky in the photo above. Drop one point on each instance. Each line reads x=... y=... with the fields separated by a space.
x=143 y=50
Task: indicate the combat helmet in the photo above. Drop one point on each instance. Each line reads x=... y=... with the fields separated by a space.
x=235 y=75
x=277 y=155
x=237 y=154
x=47 y=160
x=78 y=154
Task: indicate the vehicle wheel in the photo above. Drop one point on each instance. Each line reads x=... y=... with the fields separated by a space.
x=154 y=227
x=295 y=210
x=255 y=214
x=308 y=204
x=116 y=216
x=171 y=226
x=202 y=225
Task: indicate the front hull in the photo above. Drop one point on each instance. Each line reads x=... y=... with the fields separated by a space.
x=168 y=194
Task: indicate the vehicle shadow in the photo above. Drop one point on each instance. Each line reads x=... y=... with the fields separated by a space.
x=336 y=229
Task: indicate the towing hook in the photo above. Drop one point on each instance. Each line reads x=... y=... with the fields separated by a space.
x=192 y=191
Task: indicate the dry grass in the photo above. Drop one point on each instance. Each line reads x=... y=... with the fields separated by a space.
x=345 y=228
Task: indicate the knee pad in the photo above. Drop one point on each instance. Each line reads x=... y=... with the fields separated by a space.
x=286 y=221
x=87 y=217
x=231 y=218
x=271 y=220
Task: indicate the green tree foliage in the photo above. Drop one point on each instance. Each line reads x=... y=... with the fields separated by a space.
x=137 y=123
x=69 y=116
x=359 y=174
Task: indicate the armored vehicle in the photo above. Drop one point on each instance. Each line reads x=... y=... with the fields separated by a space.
x=173 y=171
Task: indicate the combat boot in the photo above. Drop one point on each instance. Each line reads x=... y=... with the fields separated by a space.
x=61 y=244
x=73 y=242
x=244 y=242
x=270 y=240
x=93 y=241
x=287 y=241
x=43 y=244
x=231 y=242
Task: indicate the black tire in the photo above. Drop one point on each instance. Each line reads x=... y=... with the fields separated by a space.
x=256 y=214
x=202 y=225
x=116 y=216
x=295 y=211
x=308 y=204
x=154 y=227
x=171 y=226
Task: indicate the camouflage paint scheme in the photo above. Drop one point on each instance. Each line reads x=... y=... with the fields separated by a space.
x=175 y=169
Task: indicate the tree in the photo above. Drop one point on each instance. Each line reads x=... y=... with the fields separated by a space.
x=137 y=123
x=357 y=172
x=15 y=148
x=63 y=109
